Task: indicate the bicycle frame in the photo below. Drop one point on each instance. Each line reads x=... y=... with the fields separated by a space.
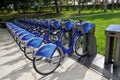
x=65 y=51
x=48 y=33
x=68 y=51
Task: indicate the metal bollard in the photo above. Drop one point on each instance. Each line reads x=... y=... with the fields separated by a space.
x=90 y=40
x=112 y=45
x=70 y=35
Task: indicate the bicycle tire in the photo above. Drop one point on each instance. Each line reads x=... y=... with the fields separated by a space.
x=21 y=47
x=80 y=47
x=30 y=55
x=64 y=40
x=43 y=62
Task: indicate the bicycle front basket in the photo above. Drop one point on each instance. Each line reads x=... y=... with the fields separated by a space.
x=87 y=27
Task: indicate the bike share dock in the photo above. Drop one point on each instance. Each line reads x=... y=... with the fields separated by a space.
x=14 y=66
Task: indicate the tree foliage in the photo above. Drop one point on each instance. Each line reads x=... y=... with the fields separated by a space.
x=57 y=5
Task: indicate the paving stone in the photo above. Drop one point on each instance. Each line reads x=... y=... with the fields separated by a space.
x=14 y=65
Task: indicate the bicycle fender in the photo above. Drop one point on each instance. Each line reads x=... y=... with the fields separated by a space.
x=46 y=50
x=35 y=42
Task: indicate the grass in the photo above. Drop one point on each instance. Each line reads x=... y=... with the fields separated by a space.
x=102 y=21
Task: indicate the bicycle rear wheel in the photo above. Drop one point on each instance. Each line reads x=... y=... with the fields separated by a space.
x=44 y=65
x=80 y=47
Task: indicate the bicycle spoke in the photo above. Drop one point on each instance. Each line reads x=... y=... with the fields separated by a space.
x=80 y=46
x=45 y=65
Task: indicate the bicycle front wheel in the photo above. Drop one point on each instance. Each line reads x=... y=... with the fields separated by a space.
x=29 y=51
x=22 y=46
x=44 y=65
x=80 y=47
x=65 y=40
x=53 y=37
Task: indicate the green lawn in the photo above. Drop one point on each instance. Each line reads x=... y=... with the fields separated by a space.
x=102 y=21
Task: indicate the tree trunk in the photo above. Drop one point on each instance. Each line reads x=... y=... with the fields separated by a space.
x=74 y=5
x=66 y=1
x=39 y=9
x=95 y=5
x=105 y=5
x=2 y=10
x=80 y=6
x=112 y=6
x=67 y=6
x=56 y=5
x=61 y=3
x=117 y=4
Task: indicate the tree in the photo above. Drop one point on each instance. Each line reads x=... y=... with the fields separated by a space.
x=56 y=5
x=4 y=5
x=105 y=5
x=112 y=6
x=117 y=3
x=96 y=2
x=80 y=2
x=46 y=2
x=74 y=5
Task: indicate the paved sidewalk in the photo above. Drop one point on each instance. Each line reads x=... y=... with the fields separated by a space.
x=14 y=65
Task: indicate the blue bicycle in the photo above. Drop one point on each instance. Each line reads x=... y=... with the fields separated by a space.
x=31 y=32
x=49 y=56
x=32 y=45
